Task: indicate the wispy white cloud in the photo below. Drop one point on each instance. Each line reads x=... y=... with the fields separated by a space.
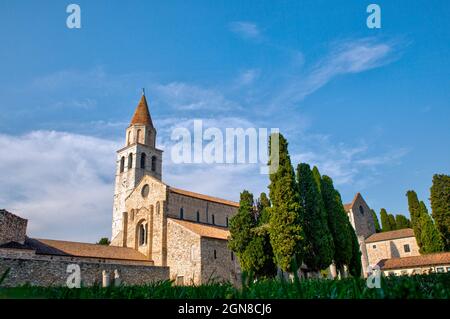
x=345 y=57
x=248 y=77
x=61 y=182
x=245 y=29
x=187 y=97
x=355 y=166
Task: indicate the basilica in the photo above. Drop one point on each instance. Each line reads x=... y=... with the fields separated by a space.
x=177 y=228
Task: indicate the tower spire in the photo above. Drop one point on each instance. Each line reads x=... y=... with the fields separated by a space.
x=142 y=114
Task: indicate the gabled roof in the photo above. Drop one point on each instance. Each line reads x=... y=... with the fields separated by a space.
x=76 y=249
x=204 y=197
x=390 y=235
x=348 y=206
x=142 y=114
x=204 y=230
x=415 y=261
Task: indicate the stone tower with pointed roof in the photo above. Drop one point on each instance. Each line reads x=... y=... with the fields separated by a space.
x=138 y=158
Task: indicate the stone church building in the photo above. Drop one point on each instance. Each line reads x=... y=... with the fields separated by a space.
x=180 y=229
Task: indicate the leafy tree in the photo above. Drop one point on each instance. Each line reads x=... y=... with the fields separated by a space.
x=355 y=266
x=241 y=225
x=414 y=212
x=286 y=233
x=104 y=241
x=440 y=206
x=385 y=224
x=392 y=223
x=430 y=237
x=338 y=223
x=260 y=250
x=375 y=221
x=250 y=236
x=319 y=248
x=402 y=222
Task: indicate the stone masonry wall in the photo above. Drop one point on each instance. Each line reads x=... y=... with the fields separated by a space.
x=12 y=227
x=221 y=267
x=363 y=223
x=183 y=254
x=205 y=208
x=150 y=209
x=26 y=267
x=391 y=249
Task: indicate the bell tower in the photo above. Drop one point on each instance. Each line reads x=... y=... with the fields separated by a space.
x=137 y=158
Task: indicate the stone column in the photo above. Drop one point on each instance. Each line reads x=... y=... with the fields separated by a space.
x=333 y=271
x=117 y=279
x=105 y=279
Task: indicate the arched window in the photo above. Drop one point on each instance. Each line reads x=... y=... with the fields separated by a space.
x=153 y=163
x=143 y=157
x=181 y=213
x=226 y=221
x=198 y=216
x=130 y=160
x=361 y=210
x=213 y=219
x=138 y=136
x=215 y=254
x=122 y=164
x=142 y=234
x=232 y=256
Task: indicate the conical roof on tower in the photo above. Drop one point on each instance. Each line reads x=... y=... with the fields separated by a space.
x=142 y=115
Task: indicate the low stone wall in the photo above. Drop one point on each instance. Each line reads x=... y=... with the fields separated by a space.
x=28 y=268
x=12 y=227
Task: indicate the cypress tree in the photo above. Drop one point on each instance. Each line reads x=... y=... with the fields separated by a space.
x=317 y=177
x=375 y=221
x=286 y=233
x=385 y=224
x=430 y=237
x=415 y=212
x=338 y=223
x=319 y=248
x=392 y=223
x=241 y=226
x=263 y=202
x=440 y=206
x=355 y=266
x=402 y=222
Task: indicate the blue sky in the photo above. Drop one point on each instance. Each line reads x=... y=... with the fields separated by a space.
x=370 y=107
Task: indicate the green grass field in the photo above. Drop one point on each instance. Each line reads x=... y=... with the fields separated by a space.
x=433 y=286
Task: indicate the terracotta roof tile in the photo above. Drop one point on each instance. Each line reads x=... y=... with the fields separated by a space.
x=142 y=114
x=204 y=197
x=76 y=249
x=389 y=235
x=415 y=261
x=204 y=230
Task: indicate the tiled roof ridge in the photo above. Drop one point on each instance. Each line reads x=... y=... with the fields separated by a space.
x=389 y=235
x=203 y=196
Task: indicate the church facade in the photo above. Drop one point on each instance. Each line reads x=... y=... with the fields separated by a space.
x=182 y=230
